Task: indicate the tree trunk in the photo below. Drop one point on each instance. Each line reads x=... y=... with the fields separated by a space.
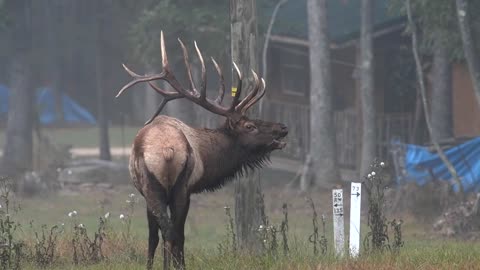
x=367 y=89
x=441 y=96
x=17 y=155
x=248 y=194
x=417 y=136
x=423 y=94
x=151 y=98
x=57 y=49
x=102 y=115
x=323 y=154
x=182 y=108
x=468 y=46
x=266 y=42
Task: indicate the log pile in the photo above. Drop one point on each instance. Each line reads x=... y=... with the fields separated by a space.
x=461 y=220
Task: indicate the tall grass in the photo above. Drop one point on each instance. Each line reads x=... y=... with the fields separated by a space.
x=113 y=244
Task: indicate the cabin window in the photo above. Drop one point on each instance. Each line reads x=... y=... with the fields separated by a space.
x=292 y=70
x=294 y=80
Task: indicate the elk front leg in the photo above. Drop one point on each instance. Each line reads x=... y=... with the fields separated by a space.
x=179 y=210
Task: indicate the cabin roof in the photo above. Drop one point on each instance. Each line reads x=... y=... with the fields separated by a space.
x=343 y=19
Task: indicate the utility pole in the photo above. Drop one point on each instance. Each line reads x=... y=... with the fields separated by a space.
x=249 y=210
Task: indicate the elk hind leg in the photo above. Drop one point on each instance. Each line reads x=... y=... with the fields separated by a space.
x=179 y=210
x=153 y=238
x=156 y=200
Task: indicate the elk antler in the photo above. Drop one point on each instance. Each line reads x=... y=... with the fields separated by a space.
x=199 y=97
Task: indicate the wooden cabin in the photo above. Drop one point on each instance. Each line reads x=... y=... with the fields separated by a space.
x=395 y=82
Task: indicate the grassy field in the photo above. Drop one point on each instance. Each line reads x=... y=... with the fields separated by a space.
x=206 y=229
x=415 y=256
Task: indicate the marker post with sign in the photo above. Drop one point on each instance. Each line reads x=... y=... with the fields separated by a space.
x=355 y=203
x=338 y=224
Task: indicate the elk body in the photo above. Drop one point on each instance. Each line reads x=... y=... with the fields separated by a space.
x=170 y=160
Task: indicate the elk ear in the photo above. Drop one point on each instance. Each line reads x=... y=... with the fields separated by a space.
x=231 y=123
x=233 y=120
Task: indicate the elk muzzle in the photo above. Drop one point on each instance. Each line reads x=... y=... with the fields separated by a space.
x=280 y=132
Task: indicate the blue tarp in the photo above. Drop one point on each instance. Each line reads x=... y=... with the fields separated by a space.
x=73 y=113
x=420 y=163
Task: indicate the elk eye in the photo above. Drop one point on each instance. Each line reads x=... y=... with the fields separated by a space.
x=250 y=127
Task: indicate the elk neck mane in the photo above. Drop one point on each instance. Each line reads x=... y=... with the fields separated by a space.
x=224 y=158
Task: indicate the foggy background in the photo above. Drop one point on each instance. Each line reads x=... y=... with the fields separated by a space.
x=61 y=66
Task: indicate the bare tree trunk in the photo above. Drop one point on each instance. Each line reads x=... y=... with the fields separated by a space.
x=138 y=101
x=468 y=46
x=248 y=194
x=416 y=137
x=182 y=108
x=423 y=93
x=102 y=115
x=367 y=89
x=18 y=149
x=266 y=42
x=323 y=154
x=54 y=17
x=441 y=96
x=151 y=98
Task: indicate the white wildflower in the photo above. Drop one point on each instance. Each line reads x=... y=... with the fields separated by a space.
x=81 y=225
x=128 y=201
x=74 y=212
x=265 y=240
x=369 y=176
x=373 y=173
x=382 y=164
x=63 y=224
x=70 y=214
x=1 y=206
x=122 y=216
x=107 y=214
x=462 y=13
x=261 y=227
x=131 y=195
x=226 y=207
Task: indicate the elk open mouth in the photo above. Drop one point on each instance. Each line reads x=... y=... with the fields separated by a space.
x=278 y=144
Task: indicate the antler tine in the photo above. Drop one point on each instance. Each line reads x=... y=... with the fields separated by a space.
x=187 y=65
x=165 y=93
x=160 y=108
x=138 y=79
x=180 y=92
x=165 y=65
x=251 y=93
x=236 y=98
x=167 y=96
x=221 y=89
x=256 y=99
x=203 y=86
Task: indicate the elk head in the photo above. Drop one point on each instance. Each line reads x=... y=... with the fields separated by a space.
x=253 y=135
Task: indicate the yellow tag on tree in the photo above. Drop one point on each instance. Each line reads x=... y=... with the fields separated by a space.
x=234 y=91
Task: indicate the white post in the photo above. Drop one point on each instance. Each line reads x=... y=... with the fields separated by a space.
x=355 y=202
x=338 y=224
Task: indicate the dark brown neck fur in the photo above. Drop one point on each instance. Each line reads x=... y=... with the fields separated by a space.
x=224 y=158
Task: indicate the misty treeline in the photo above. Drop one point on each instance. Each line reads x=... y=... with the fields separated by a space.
x=77 y=48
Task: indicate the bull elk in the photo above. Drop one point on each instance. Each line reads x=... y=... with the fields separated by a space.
x=170 y=160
